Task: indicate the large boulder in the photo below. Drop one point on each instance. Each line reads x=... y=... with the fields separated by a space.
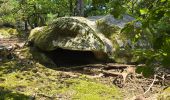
x=105 y=36
x=126 y=36
x=72 y=33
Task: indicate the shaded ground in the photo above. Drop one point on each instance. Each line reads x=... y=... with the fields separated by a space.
x=35 y=80
x=24 y=77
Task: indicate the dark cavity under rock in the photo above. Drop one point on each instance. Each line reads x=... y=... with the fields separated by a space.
x=63 y=57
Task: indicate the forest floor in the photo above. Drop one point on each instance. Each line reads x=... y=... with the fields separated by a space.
x=24 y=78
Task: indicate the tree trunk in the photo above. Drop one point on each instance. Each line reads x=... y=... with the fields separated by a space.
x=71 y=7
x=79 y=8
x=26 y=25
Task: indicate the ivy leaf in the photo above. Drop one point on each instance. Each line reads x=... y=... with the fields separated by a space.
x=163 y=0
x=143 y=11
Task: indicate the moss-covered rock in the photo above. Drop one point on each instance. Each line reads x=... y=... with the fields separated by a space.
x=71 y=33
x=126 y=36
x=105 y=36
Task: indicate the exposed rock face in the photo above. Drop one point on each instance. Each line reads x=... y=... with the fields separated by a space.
x=125 y=35
x=108 y=24
x=72 y=33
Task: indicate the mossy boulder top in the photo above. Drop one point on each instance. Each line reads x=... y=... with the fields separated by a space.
x=72 y=33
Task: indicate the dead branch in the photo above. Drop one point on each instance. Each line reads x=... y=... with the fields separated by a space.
x=117 y=66
x=151 y=85
x=124 y=74
x=112 y=73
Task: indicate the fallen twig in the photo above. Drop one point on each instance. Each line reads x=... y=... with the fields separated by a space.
x=151 y=84
x=115 y=66
x=124 y=74
x=112 y=73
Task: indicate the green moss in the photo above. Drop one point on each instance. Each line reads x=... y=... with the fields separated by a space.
x=167 y=90
x=91 y=90
x=22 y=80
x=4 y=34
x=8 y=32
x=165 y=95
x=26 y=52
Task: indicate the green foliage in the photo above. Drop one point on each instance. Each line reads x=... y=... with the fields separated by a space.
x=32 y=12
x=143 y=11
x=166 y=51
x=6 y=7
x=146 y=71
x=154 y=16
x=116 y=8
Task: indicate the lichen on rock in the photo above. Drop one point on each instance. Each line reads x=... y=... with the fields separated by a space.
x=106 y=35
x=71 y=33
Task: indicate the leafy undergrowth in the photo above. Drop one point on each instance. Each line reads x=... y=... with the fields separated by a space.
x=27 y=79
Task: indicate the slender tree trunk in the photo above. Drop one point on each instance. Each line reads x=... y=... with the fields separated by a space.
x=79 y=8
x=26 y=25
x=71 y=7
